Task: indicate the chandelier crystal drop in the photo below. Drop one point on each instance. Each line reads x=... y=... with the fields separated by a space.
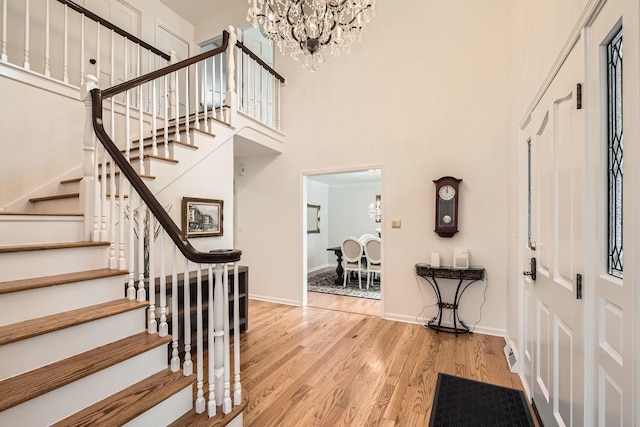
x=311 y=29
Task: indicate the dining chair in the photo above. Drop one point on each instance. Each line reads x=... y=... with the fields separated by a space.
x=363 y=239
x=352 y=257
x=373 y=254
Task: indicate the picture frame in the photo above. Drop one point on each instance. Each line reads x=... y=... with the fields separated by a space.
x=313 y=219
x=202 y=217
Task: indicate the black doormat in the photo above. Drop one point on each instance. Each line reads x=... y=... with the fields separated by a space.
x=463 y=402
x=324 y=282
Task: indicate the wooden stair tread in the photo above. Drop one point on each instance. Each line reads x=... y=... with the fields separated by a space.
x=54 y=322
x=56 y=197
x=41 y=214
x=151 y=156
x=77 y=180
x=27 y=386
x=160 y=145
x=124 y=406
x=50 y=246
x=58 y=279
x=192 y=419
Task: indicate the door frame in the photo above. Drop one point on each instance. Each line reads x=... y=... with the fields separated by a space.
x=303 y=224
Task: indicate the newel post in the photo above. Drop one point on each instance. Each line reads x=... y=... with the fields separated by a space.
x=231 y=96
x=87 y=184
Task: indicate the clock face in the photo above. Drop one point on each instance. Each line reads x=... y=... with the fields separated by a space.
x=447 y=192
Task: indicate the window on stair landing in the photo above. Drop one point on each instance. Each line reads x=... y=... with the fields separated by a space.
x=615 y=160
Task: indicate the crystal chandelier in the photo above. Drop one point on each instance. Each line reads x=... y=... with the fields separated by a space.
x=311 y=28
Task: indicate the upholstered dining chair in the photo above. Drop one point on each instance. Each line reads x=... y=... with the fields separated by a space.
x=352 y=257
x=363 y=239
x=372 y=252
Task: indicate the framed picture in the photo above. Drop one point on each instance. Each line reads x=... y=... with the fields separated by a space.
x=201 y=217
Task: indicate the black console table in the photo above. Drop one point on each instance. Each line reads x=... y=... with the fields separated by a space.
x=470 y=275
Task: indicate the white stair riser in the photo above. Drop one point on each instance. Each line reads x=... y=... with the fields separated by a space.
x=22 y=265
x=65 y=401
x=167 y=411
x=27 y=229
x=34 y=303
x=57 y=206
x=42 y=350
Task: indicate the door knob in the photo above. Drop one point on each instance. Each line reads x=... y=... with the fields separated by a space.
x=532 y=269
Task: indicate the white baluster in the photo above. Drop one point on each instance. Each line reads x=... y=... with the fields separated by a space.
x=172 y=87
x=213 y=87
x=142 y=295
x=149 y=228
x=141 y=168
x=226 y=402
x=239 y=72
x=222 y=91
x=231 y=96
x=278 y=100
x=187 y=366
x=149 y=93
x=121 y=256
x=112 y=58
x=82 y=30
x=196 y=94
x=237 y=387
x=65 y=55
x=97 y=196
x=175 y=328
x=166 y=116
x=87 y=186
x=186 y=106
x=164 y=326
x=154 y=123
x=47 y=17
x=205 y=95
x=103 y=197
x=113 y=262
x=3 y=42
x=127 y=126
x=26 y=35
x=213 y=344
x=200 y=401
x=98 y=61
x=131 y=289
x=177 y=107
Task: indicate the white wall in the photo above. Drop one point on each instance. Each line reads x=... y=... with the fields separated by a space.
x=423 y=95
x=349 y=211
x=317 y=243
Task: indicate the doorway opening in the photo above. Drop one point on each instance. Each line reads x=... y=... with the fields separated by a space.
x=337 y=206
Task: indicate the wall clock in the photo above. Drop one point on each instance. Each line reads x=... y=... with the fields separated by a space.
x=447 y=198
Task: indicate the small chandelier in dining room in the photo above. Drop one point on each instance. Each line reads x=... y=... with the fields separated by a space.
x=311 y=29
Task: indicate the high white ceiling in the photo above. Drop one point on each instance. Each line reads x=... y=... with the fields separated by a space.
x=196 y=11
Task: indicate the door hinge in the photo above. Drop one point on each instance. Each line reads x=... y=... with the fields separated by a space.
x=579 y=96
x=578 y=286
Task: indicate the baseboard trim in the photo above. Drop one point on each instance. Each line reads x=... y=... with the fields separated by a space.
x=275 y=300
x=477 y=329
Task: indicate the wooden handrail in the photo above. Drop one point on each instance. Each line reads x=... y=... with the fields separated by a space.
x=260 y=61
x=115 y=28
x=145 y=78
x=191 y=253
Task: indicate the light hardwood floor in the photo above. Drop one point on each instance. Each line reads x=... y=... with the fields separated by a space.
x=366 y=306
x=318 y=367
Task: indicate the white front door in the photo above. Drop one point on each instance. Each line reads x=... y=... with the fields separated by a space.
x=556 y=212
x=612 y=87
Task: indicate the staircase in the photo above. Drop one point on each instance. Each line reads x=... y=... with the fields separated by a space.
x=81 y=341
x=79 y=352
